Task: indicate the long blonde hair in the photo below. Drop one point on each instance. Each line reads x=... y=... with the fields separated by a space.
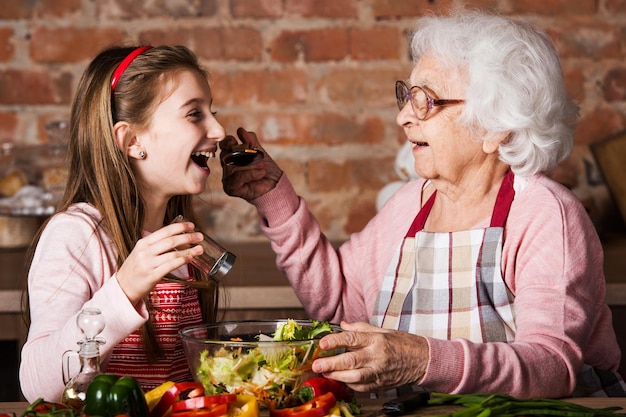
x=100 y=173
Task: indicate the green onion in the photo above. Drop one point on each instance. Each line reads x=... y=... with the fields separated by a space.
x=502 y=405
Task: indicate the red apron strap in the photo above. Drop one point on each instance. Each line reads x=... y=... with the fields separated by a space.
x=503 y=201
x=498 y=217
x=420 y=219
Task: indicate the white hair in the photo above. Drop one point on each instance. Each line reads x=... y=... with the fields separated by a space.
x=515 y=84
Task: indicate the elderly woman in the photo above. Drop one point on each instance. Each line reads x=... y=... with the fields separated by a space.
x=482 y=276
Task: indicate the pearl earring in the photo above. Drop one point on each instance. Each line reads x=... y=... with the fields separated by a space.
x=142 y=154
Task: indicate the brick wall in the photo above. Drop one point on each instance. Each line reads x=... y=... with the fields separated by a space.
x=314 y=78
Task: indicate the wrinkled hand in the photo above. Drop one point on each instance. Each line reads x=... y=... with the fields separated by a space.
x=375 y=358
x=251 y=181
x=154 y=256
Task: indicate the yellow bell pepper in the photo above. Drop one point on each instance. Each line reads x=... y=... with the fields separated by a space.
x=154 y=395
x=335 y=411
x=244 y=406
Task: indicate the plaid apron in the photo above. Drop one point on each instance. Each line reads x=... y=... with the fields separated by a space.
x=449 y=285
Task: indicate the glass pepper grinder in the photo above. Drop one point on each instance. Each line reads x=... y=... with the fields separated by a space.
x=91 y=323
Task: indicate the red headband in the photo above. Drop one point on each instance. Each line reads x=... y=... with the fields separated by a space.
x=125 y=63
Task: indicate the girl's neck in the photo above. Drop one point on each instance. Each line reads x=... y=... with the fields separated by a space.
x=154 y=217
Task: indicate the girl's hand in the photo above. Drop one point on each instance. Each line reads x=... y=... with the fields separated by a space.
x=375 y=358
x=250 y=181
x=154 y=256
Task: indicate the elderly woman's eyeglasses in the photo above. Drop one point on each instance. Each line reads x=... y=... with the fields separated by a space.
x=421 y=102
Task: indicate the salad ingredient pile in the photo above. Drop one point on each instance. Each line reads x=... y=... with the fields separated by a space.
x=271 y=372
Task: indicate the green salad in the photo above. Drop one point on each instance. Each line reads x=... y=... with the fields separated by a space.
x=270 y=371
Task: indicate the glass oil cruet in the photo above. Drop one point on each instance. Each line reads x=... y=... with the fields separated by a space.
x=91 y=323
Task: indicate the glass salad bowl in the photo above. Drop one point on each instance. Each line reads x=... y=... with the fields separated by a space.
x=268 y=359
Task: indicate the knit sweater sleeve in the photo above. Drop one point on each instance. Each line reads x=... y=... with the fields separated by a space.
x=73 y=268
x=552 y=262
x=334 y=284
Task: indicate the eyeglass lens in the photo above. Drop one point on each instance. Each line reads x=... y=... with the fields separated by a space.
x=417 y=96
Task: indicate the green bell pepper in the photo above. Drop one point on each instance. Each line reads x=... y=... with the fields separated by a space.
x=109 y=395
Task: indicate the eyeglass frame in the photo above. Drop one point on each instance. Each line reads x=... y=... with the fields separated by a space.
x=430 y=102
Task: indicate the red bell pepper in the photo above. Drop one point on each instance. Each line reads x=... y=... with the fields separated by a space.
x=210 y=410
x=204 y=401
x=213 y=410
x=174 y=393
x=314 y=387
x=317 y=407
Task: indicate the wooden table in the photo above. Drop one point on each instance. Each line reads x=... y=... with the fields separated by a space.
x=370 y=406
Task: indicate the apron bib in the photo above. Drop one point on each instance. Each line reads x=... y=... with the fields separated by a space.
x=174 y=306
x=449 y=285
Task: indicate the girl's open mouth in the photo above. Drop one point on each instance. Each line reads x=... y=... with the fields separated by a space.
x=202 y=158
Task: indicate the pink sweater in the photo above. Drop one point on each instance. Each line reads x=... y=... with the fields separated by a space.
x=552 y=262
x=74 y=267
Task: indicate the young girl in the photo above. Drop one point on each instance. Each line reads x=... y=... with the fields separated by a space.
x=142 y=131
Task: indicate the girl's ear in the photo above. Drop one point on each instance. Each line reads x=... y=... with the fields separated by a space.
x=131 y=147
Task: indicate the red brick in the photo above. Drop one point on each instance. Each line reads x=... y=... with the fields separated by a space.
x=382 y=9
x=335 y=9
x=8 y=126
x=360 y=212
x=40 y=9
x=57 y=8
x=259 y=87
x=178 y=36
x=7 y=49
x=42 y=87
x=554 y=7
x=614 y=85
x=574 y=83
x=20 y=9
x=287 y=46
x=302 y=128
x=295 y=169
x=70 y=44
x=131 y=9
x=257 y=8
x=207 y=42
x=326 y=176
x=314 y=45
x=614 y=7
x=243 y=44
x=598 y=124
x=334 y=129
x=285 y=128
x=581 y=38
x=353 y=87
x=343 y=174
x=375 y=44
x=569 y=171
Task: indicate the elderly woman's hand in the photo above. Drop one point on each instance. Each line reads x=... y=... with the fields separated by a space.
x=248 y=181
x=375 y=358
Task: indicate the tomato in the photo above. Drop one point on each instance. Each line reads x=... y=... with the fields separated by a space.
x=317 y=407
x=41 y=407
